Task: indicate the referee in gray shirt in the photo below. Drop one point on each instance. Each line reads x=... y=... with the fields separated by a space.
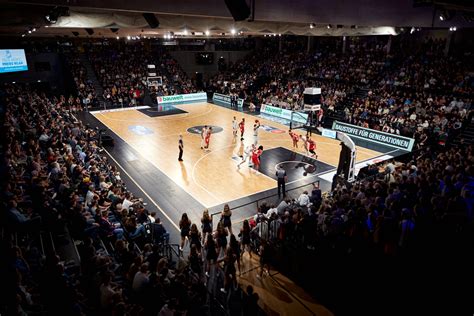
x=281 y=179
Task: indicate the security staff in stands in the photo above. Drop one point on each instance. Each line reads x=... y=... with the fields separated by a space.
x=281 y=179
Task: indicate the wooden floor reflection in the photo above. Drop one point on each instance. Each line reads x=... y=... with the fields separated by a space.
x=278 y=295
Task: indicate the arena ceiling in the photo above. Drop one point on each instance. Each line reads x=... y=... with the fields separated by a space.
x=184 y=17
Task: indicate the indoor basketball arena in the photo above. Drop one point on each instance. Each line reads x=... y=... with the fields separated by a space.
x=237 y=157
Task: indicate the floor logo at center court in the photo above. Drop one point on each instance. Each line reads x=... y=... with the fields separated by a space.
x=198 y=129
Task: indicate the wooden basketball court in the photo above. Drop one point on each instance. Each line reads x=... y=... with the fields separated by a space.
x=211 y=177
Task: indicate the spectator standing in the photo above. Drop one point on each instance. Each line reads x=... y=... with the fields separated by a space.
x=281 y=180
x=225 y=218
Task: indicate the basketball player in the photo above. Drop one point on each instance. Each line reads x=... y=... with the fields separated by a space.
x=256 y=157
x=180 y=147
x=203 y=136
x=295 y=138
x=234 y=127
x=247 y=155
x=242 y=127
x=305 y=144
x=240 y=152
x=208 y=137
x=312 y=147
x=256 y=126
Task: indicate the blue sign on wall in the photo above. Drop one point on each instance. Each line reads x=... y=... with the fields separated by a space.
x=12 y=60
x=140 y=130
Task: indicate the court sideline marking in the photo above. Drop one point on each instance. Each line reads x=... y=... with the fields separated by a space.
x=144 y=192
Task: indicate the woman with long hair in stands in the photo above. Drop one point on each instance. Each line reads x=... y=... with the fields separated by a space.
x=195 y=237
x=225 y=217
x=206 y=224
x=221 y=238
x=185 y=226
x=211 y=254
x=230 y=278
x=235 y=246
x=245 y=238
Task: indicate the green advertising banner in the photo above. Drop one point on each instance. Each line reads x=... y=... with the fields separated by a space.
x=202 y=96
x=283 y=113
x=372 y=135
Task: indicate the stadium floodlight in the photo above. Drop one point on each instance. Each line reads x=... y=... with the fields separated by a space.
x=311 y=26
x=232 y=31
x=207 y=33
x=446 y=15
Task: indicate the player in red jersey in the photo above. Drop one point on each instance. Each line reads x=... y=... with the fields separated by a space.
x=256 y=157
x=295 y=138
x=242 y=127
x=208 y=137
x=312 y=148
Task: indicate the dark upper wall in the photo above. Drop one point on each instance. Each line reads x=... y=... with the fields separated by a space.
x=43 y=67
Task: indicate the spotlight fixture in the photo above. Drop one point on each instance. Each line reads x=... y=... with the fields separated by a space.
x=23 y=35
x=128 y=37
x=446 y=15
x=453 y=29
x=117 y=37
x=207 y=32
x=29 y=31
x=185 y=32
x=412 y=30
x=232 y=31
x=34 y=29
x=56 y=12
x=279 y=34
x=328 y=26
x=311 y=25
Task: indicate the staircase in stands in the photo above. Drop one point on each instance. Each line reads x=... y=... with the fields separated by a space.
x=91 y=76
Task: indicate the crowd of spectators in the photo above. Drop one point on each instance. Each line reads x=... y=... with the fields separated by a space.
x=85 y=89
x=406 y=89
x=57 y=178
x=391 y=233
x=392 y=210
x=122 y=71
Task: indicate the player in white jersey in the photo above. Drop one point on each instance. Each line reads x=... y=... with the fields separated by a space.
x=203 y=137
x=247 y=154
x=256 y=126
x=235 y=127
x=305 y=144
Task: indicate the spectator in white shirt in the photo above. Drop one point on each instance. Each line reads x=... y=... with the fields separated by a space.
x=303 y=199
